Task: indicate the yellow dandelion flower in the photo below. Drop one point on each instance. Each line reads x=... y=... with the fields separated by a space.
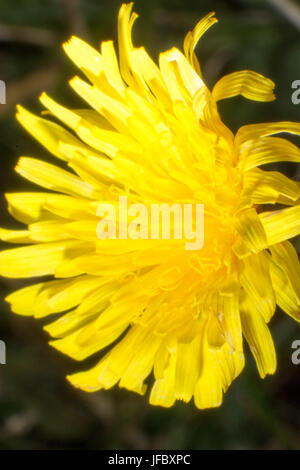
x=154 y=135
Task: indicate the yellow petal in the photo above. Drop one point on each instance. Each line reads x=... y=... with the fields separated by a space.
x=48 y=231
x=285 y=255
x=84 y=55
x=15 y=236
x=255 y=279
x=128 y=66
x=286 y=297
x=220 y=365
x=33 y=207
x=141 y=363
x=68 y=117
x=22 y=262
x=231 y=363
x=131 y=360
x=162 y=392
x=187 y=369
x=192 y=38
x=96 y=378
x=80 y=351
x=285 y=272
x=181 y=79
x=228 y=314
x=103 y=139
x=68 y=323
x=51 y=177
x=259 y=151
x=26 y=207
x=22 y=300
x=268 y=187
x=113 y=110
x=111 y=66
x=209 y=388
x=281 y=225
x=151 y=75
x=69 y=207
x=252 y=233
x=247 y=83
x=257 y=131
x=48 y=133
x=82 y=229
x=258 y=337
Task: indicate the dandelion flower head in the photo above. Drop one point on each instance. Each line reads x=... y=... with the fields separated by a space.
x=152 y=132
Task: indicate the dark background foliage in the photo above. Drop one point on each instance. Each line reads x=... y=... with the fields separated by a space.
x=38 y=409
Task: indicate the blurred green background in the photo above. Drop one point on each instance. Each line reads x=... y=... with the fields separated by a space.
x=38 y=409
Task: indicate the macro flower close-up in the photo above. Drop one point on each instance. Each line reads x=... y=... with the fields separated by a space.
x=167 y=318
